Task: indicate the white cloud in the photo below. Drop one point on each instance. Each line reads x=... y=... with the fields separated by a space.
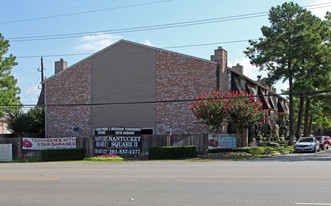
x=281 y=86
x=33 y=90
x=319 y=10
x=148 y=43
x=249 y=70
x=96 y=42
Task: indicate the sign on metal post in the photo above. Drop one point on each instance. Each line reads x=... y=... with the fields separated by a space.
x=117 y=140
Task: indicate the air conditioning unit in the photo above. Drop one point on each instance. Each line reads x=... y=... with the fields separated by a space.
x=6 y=152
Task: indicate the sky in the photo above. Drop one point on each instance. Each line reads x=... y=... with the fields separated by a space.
x=75 y=29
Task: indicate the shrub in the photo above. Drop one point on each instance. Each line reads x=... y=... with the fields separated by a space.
x=231 y=154
x=259 y=150
x=268 y=144
x=62 y=154
x=172 y=152
x=224 y=150
x=105 y=157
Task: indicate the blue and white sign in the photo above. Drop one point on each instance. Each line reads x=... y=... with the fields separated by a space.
x=222 y=141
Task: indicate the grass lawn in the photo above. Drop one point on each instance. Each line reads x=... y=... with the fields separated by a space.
x=281 y=150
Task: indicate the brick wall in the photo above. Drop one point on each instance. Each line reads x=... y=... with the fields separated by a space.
x=70 y=87
x=180 y=77
x=221 y=57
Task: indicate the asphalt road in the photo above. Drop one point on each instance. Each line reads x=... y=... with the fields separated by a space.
x=294 y=179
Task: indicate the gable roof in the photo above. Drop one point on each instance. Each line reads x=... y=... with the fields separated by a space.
x=256 y=83
x=133 y=43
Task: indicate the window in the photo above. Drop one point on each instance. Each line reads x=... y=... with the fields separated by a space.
x=243 y=83
x=229 y=81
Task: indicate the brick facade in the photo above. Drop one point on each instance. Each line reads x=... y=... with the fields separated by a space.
x=72 y=86
x=180 y=77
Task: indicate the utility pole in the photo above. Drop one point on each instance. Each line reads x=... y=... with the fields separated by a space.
x=42 y=69
x=44 y=88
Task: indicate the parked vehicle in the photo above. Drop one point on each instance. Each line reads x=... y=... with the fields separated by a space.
x=307 y=144
x=328 y=140
x=323 y=142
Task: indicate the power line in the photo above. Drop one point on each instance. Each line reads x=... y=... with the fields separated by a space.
x=169 y=47
x=151 y=27
x=309 y=93
x=83 y=12
x=53 y=55
x=137 y=29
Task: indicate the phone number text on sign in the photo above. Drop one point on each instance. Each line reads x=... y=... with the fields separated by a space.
x=117 y=140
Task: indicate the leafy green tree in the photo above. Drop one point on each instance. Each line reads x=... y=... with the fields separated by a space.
x=314 y=74
x=212 y=110
x=291 y=41
x=215 y=109
x=31 y=122
x=8 y=89
x=244 y=112
x=320 y=112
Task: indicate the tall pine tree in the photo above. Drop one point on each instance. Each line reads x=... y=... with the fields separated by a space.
x=292 y=40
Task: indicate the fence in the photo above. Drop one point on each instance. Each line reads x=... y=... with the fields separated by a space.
x=12 y=141
x=19 y=153
x=147 y=141
x=200 y=140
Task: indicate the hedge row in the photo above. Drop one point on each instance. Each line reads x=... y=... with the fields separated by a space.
x=172 y=152
x=251 y=150
x=224 y=150
x=62 y=154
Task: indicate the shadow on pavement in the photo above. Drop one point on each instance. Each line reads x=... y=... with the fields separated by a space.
x=296 y=157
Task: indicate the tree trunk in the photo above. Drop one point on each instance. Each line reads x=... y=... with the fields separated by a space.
x=310 y=123
x=306 y=130
x=291 y=118
x=300 y=115
x=238 y=138
x=244 y=137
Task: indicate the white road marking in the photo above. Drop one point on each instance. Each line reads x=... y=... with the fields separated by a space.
x=306 y=203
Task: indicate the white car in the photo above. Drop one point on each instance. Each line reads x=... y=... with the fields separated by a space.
x=307 y=144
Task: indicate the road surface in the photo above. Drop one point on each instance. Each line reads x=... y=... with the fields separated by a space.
x=294 y=179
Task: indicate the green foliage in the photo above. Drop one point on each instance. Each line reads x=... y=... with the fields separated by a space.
x=259 y=150
x=281 y=149
x=8 y=90
x=102 y=159
x=62 y=154
x=211 y=109
x=31 y=122
x=296 y=47
x=172 y=152
x=230 y=154
x=224 y=150
x=216 y=108
x=245 y=111
x=268 y=144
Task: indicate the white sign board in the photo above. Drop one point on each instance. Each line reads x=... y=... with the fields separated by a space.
x=6 y=152
x=222 y=141
x=48 y=143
